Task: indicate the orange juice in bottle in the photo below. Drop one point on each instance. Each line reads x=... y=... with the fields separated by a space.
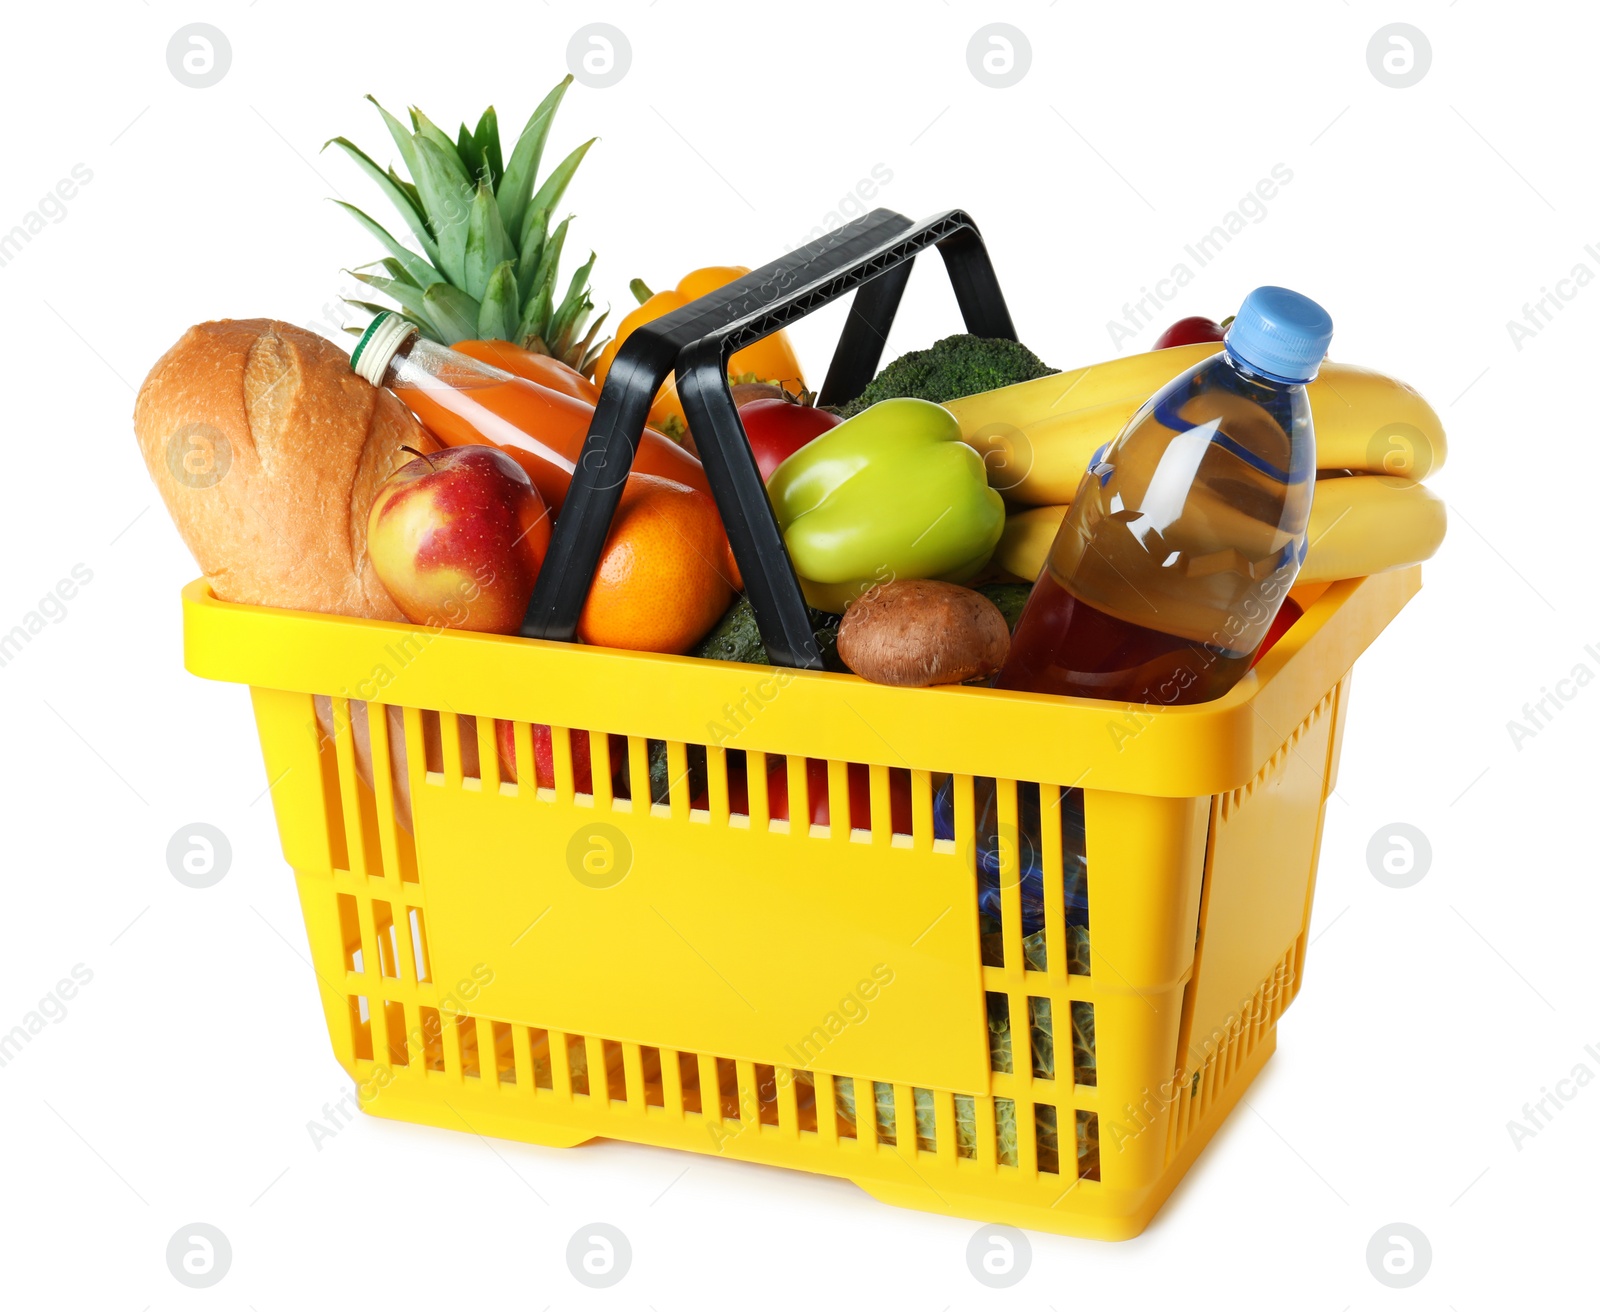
x=464 y=402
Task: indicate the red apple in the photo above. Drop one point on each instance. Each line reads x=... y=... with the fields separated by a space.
x=457 y=537
x=778 y=426
x=1186 y=332
x=544 y=758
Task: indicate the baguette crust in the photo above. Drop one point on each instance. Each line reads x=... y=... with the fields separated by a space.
x=268 y=451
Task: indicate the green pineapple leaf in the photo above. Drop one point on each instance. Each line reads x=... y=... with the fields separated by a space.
x=397 y=196
x=453 y=311
x=395 y=270
x=412 y=194
x=402 y=138
x=565 y=329
x=497 y=316
x=591 y=357
x=411 y=298
x=487 y=244
x=368 y=306
x=566 y=322
x=530 y=328
x=535 y=228
x=523 y=166
x=470 y=155
x=583 y=349
x=544 y=287
x=531 y=220
x=482 y=219
x=577 y=289
x=487 y=139
x=549 y=195
x=429 y=131
x=449 y=202
x=373 y=311
x=422 y=273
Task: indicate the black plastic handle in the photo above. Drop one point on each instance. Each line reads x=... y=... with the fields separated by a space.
x=872 y=253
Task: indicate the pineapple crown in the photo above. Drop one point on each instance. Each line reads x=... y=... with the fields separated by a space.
x=490 y=260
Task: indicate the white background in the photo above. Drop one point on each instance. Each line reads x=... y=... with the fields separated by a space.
x=179 y=1085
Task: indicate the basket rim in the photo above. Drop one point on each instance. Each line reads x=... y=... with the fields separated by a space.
x=1187 y=751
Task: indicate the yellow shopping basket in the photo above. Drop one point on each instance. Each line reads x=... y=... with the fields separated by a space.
x=671 y=965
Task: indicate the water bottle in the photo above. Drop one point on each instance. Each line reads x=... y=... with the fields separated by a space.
x=1187 y=530
x=1181 y=544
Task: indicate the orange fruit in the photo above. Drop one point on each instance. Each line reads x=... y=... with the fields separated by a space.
x=666 y=574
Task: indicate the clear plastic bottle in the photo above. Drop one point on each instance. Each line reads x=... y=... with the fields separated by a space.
x=465 y=402
x=1187 y=530
x=1182 y=542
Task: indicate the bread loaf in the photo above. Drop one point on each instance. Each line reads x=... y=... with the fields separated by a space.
x=268 y=452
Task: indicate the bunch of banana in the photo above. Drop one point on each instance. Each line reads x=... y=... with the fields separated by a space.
x=1361 y=524
x=1377 y=439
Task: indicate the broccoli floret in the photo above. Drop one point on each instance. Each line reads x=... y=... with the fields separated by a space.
x=962 y=365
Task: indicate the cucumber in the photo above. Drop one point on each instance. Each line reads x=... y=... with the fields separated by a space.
x=737 y=638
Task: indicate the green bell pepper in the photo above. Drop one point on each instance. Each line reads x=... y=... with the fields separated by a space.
x=893 y=493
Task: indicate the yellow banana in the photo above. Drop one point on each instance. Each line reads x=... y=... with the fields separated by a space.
x=1360 y=525
x=1037 y=437
x=1025 y=540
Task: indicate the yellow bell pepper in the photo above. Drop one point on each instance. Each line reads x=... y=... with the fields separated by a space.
x=771 y=360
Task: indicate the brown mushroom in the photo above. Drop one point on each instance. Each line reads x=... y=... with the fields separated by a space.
x=917 y=632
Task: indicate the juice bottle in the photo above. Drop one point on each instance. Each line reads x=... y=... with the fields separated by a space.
x=464 y=402
x=1187 y=530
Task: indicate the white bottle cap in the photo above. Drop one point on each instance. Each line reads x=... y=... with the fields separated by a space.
x=385 y=335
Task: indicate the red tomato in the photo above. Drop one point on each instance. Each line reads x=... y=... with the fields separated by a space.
x=1186 y=332
x=778 y=427
x=1282 y=622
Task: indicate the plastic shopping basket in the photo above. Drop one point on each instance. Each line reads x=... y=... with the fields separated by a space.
x=555 y=965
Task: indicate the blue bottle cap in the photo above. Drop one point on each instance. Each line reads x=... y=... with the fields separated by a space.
x=1281 y=334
